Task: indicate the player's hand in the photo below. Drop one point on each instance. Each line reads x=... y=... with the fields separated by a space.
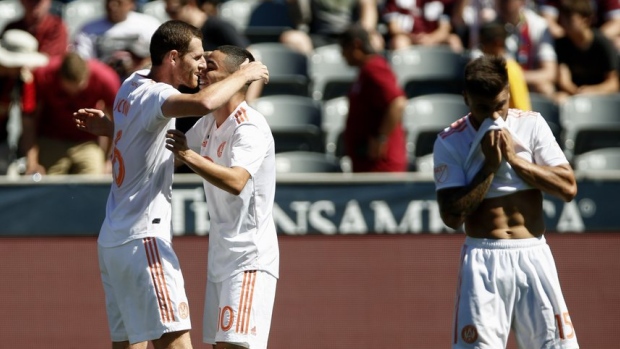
x=507 y=145
x=93 y=121
x=491 y=149
x=177 y=143
x=255 y=71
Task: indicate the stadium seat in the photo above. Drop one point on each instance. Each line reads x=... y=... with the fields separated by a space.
x=335 y=113
x=599 y=159
x=549 y=110
x=259 y=21
x=10 y=10
x=157 y=9
x=590 y=122
x=288 y=69
x=426 y=116
x=424 y=70
x=330 y=75
x=78 y=12
x=295 y=122
x=306 y=162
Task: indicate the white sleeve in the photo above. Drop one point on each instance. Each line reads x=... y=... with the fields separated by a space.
x=547 y=151
x=249 y=147
x=155 y=98
x=448 y=171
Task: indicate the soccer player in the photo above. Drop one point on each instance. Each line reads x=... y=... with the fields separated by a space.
x=234 y=154
x=491 y=169
x=143 y=284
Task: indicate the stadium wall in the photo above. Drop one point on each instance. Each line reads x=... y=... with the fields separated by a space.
x=341 y=291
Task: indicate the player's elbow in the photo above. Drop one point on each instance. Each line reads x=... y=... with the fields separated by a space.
x=569 y=193
x=451 y=220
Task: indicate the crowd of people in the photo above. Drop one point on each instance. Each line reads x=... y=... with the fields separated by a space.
x=125 y=79
x=555 y=48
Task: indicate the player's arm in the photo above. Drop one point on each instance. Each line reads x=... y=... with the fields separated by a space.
x=215 y=95
x=555 y=180
x=94 y=121
x=456 y=203
x=229 y=179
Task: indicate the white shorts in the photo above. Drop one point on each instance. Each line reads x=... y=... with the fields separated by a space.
x=144 y=290
x=238 y=310
x=506 y=284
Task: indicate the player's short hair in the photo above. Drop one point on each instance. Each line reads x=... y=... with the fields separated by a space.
x=73 y=68
x=486 y=76
x=235 y=56
x=172 y=35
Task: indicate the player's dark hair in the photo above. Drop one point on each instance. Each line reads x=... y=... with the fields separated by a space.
x=235 y=56
x=486 y=76
x=172 y=35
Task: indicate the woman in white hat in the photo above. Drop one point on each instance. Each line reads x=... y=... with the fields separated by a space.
x=18 y=55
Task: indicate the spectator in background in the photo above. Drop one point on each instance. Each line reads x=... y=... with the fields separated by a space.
x=52 y=143
x=18 y=54
x=217 y=31
x=374 y=136
x=121 y=30
x=606 y=18
x=325 y=20
x=492 y=40
x=530 y=43
x=588 y=62
x=49 y=30
x=420 y=22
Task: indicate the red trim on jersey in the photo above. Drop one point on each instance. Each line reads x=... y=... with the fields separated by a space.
x=457 y=126
x=159 y=280
x=245 y=305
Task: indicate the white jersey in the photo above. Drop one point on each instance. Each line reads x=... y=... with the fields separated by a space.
x=242 y=234
x=139 y=204
x=456 y=163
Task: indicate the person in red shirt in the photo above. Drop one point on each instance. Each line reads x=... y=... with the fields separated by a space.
x=374 y=136
x=49 y=30
x=52 y=143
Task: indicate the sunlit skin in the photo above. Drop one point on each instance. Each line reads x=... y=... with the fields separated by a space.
x=518 y=215
x=190 y=65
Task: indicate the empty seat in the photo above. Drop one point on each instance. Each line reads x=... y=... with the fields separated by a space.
x=599 y=159
x=549 y=110
x=306 y=162
x=78 y=12
x=288 y=69
x=335 y=113
x=330 y=75
x=424 y=70
x=590 y=122
x=157 y=9
x=426 y=116
x=295 y=122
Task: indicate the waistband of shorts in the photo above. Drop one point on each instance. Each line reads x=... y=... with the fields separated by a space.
x=503 y=244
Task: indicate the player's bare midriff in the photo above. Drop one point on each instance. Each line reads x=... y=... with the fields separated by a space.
x=515 y=216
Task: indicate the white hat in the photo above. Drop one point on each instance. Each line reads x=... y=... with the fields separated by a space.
x=18 y=48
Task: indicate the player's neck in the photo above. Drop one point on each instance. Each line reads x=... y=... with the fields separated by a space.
x=222 y=113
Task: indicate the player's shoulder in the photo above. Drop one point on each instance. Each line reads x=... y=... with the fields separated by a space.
x=523 y=115
x=455 y=130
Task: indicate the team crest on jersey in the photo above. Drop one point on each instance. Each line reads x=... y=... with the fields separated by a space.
x=441 y=173
x=469 y=334
x=183 y=310
x=220 y=149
